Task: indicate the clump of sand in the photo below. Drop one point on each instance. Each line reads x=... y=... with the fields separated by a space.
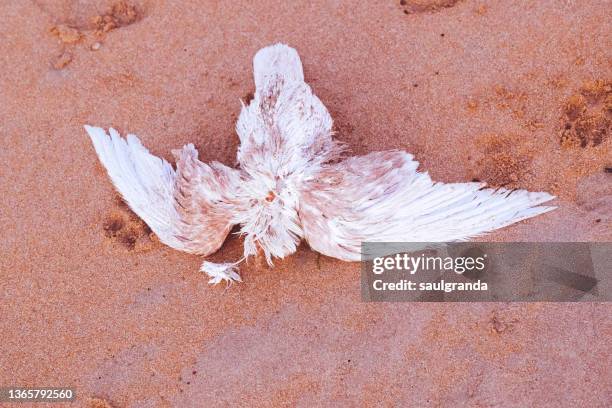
x=66 y=34
x=504 y=162
x=121 y=226
x=118 y=15
x=98 y=403
x=587 y=115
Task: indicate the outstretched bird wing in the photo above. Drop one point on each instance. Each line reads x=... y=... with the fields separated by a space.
x=188 y=209
x=381 y=197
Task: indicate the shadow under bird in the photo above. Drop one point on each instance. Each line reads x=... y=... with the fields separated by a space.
x=294 y=182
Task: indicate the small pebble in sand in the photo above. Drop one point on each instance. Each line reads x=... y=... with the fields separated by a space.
x=61 y=61
x=66 y=34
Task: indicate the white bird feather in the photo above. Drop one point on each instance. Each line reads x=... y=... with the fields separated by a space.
x=293 y=183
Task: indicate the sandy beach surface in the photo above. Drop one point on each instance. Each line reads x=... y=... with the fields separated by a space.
x=513 y=93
